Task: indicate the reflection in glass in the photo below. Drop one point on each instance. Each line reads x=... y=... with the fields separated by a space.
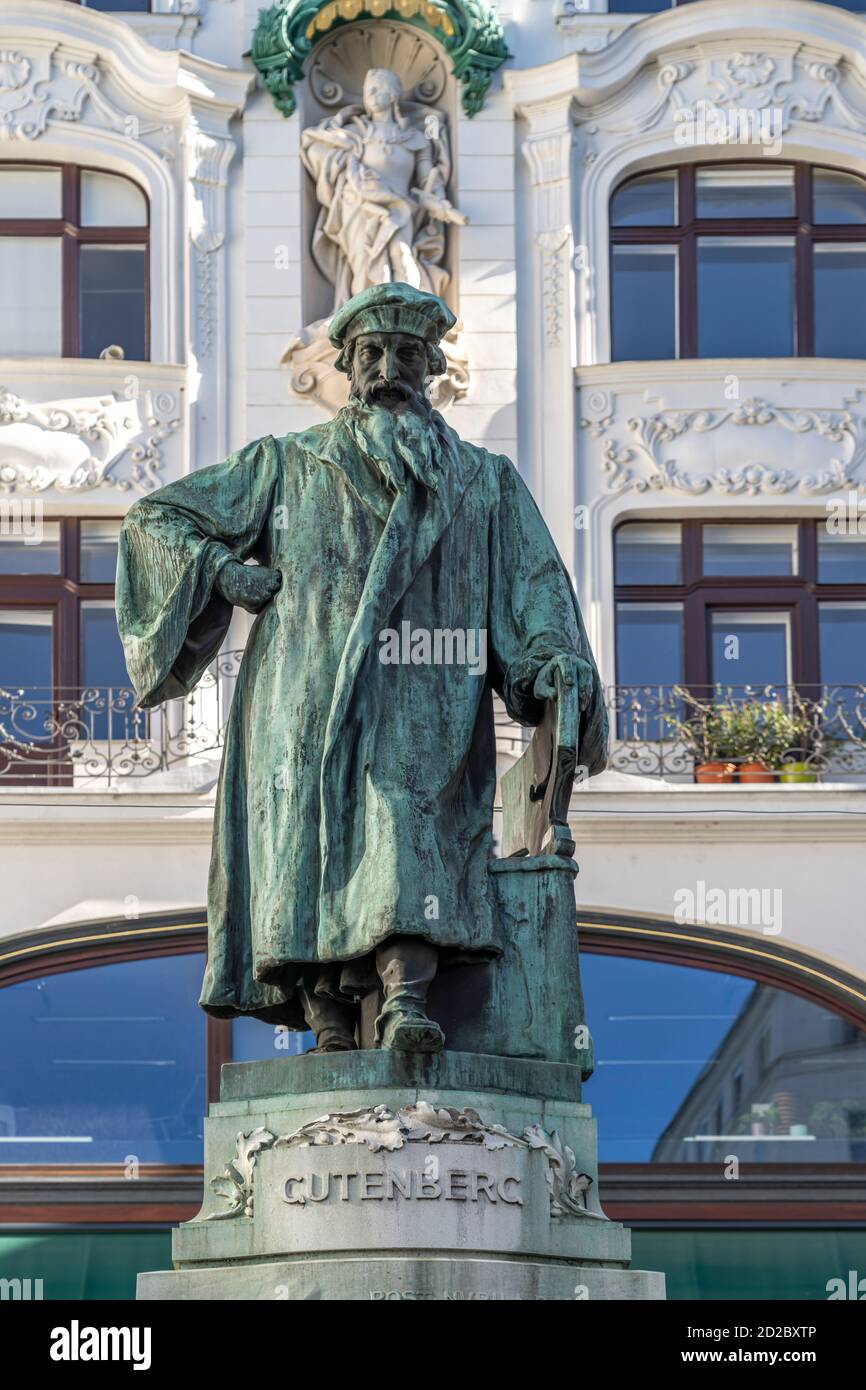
x=644 y=303
x=745 y=296
x=253 y=1040
x=692 y=1065
x=745 y=190
x=35 y=551
x=109 y=1061
x=649 y=652
x=30 y=297
x=25 y=647
x=107 y=200
x=838 y=198
x=750 y=648
x=649 y=552
x=650 y=201
x=112 y=300
x=30 y=190
x=840 y=294
x=103 y=666
x=98 y=559
x=842 y=658
x=841 y=557
x=750 y=551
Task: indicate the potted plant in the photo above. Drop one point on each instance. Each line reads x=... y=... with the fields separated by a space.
x=708 y=735
x=793 y=738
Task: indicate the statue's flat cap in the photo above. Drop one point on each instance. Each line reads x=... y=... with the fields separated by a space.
x=392 y=308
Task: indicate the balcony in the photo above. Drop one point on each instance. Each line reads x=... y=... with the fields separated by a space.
x=97 y=739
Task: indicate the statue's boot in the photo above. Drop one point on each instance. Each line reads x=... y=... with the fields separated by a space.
x=331 y=1020
x=406 y=965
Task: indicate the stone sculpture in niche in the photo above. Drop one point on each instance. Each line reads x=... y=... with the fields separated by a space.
x=381 y=169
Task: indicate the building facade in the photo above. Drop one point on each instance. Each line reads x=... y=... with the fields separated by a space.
x=658 y=262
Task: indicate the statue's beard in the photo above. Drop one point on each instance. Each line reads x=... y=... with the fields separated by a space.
x=399 y=443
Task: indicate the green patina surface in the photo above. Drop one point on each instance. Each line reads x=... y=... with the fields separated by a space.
x=468 y=30
x=353 y=792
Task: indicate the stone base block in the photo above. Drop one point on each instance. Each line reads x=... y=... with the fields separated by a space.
x=372 y=1175
x=410 y=1279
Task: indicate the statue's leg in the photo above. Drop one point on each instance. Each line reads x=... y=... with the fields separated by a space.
x=331 y=1020
x=406 y=965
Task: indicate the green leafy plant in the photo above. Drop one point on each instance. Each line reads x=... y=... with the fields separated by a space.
x=774 y=732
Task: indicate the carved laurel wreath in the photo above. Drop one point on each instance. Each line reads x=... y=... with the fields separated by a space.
x=381 y=1129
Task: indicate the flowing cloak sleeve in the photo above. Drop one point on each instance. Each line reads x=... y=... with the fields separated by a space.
x=173 y=545
x=534 y=617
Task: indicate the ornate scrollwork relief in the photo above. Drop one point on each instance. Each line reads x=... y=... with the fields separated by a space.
x=92 y=442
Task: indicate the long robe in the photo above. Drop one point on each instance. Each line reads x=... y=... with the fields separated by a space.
x=355 y=797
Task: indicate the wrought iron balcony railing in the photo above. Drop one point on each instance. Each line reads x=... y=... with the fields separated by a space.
x=95 y=738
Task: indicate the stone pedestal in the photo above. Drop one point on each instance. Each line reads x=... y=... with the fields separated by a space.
x=380 y=1175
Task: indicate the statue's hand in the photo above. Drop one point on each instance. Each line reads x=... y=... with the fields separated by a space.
x=248 y=586
x=440 y=209
x=572 y=670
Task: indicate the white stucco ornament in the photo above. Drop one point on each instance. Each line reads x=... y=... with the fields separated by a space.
x=77 y=445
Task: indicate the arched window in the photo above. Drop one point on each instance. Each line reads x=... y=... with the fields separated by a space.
x=708 y=1046
x=738 y=260
x=73 y=262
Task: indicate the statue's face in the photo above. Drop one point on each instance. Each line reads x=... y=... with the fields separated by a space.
x=381 y=89
x=389 y=369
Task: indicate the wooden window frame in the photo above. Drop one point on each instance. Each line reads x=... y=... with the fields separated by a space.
x=684 y=234
x=73 y=238
x=799 y=595
x=64 y=594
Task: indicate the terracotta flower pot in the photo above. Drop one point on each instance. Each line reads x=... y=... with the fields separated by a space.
x=798 y=772
x=714 y=772
x=755 y=772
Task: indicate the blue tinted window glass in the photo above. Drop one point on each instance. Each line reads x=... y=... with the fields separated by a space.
x=745 y=190
x=838 y=198
x=842 y=556
x=840 y=285
x=104 y=676
x=649 y=552
x=638 y=6
x=646 y=202
x=644 y=303
x=745 y=297
x=253 y=1041
x=692 y=1065
x=751 y=649
x=25 y=648
x=109 y=1062
x=649 y=653
x=842 y=657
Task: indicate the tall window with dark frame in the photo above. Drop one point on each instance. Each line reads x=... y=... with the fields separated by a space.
x=738 y=260
x=73 y=262
x=58 y=633
x=792 y=593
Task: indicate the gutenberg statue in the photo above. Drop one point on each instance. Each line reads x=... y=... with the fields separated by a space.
x=401 y=576
x=380 y=175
